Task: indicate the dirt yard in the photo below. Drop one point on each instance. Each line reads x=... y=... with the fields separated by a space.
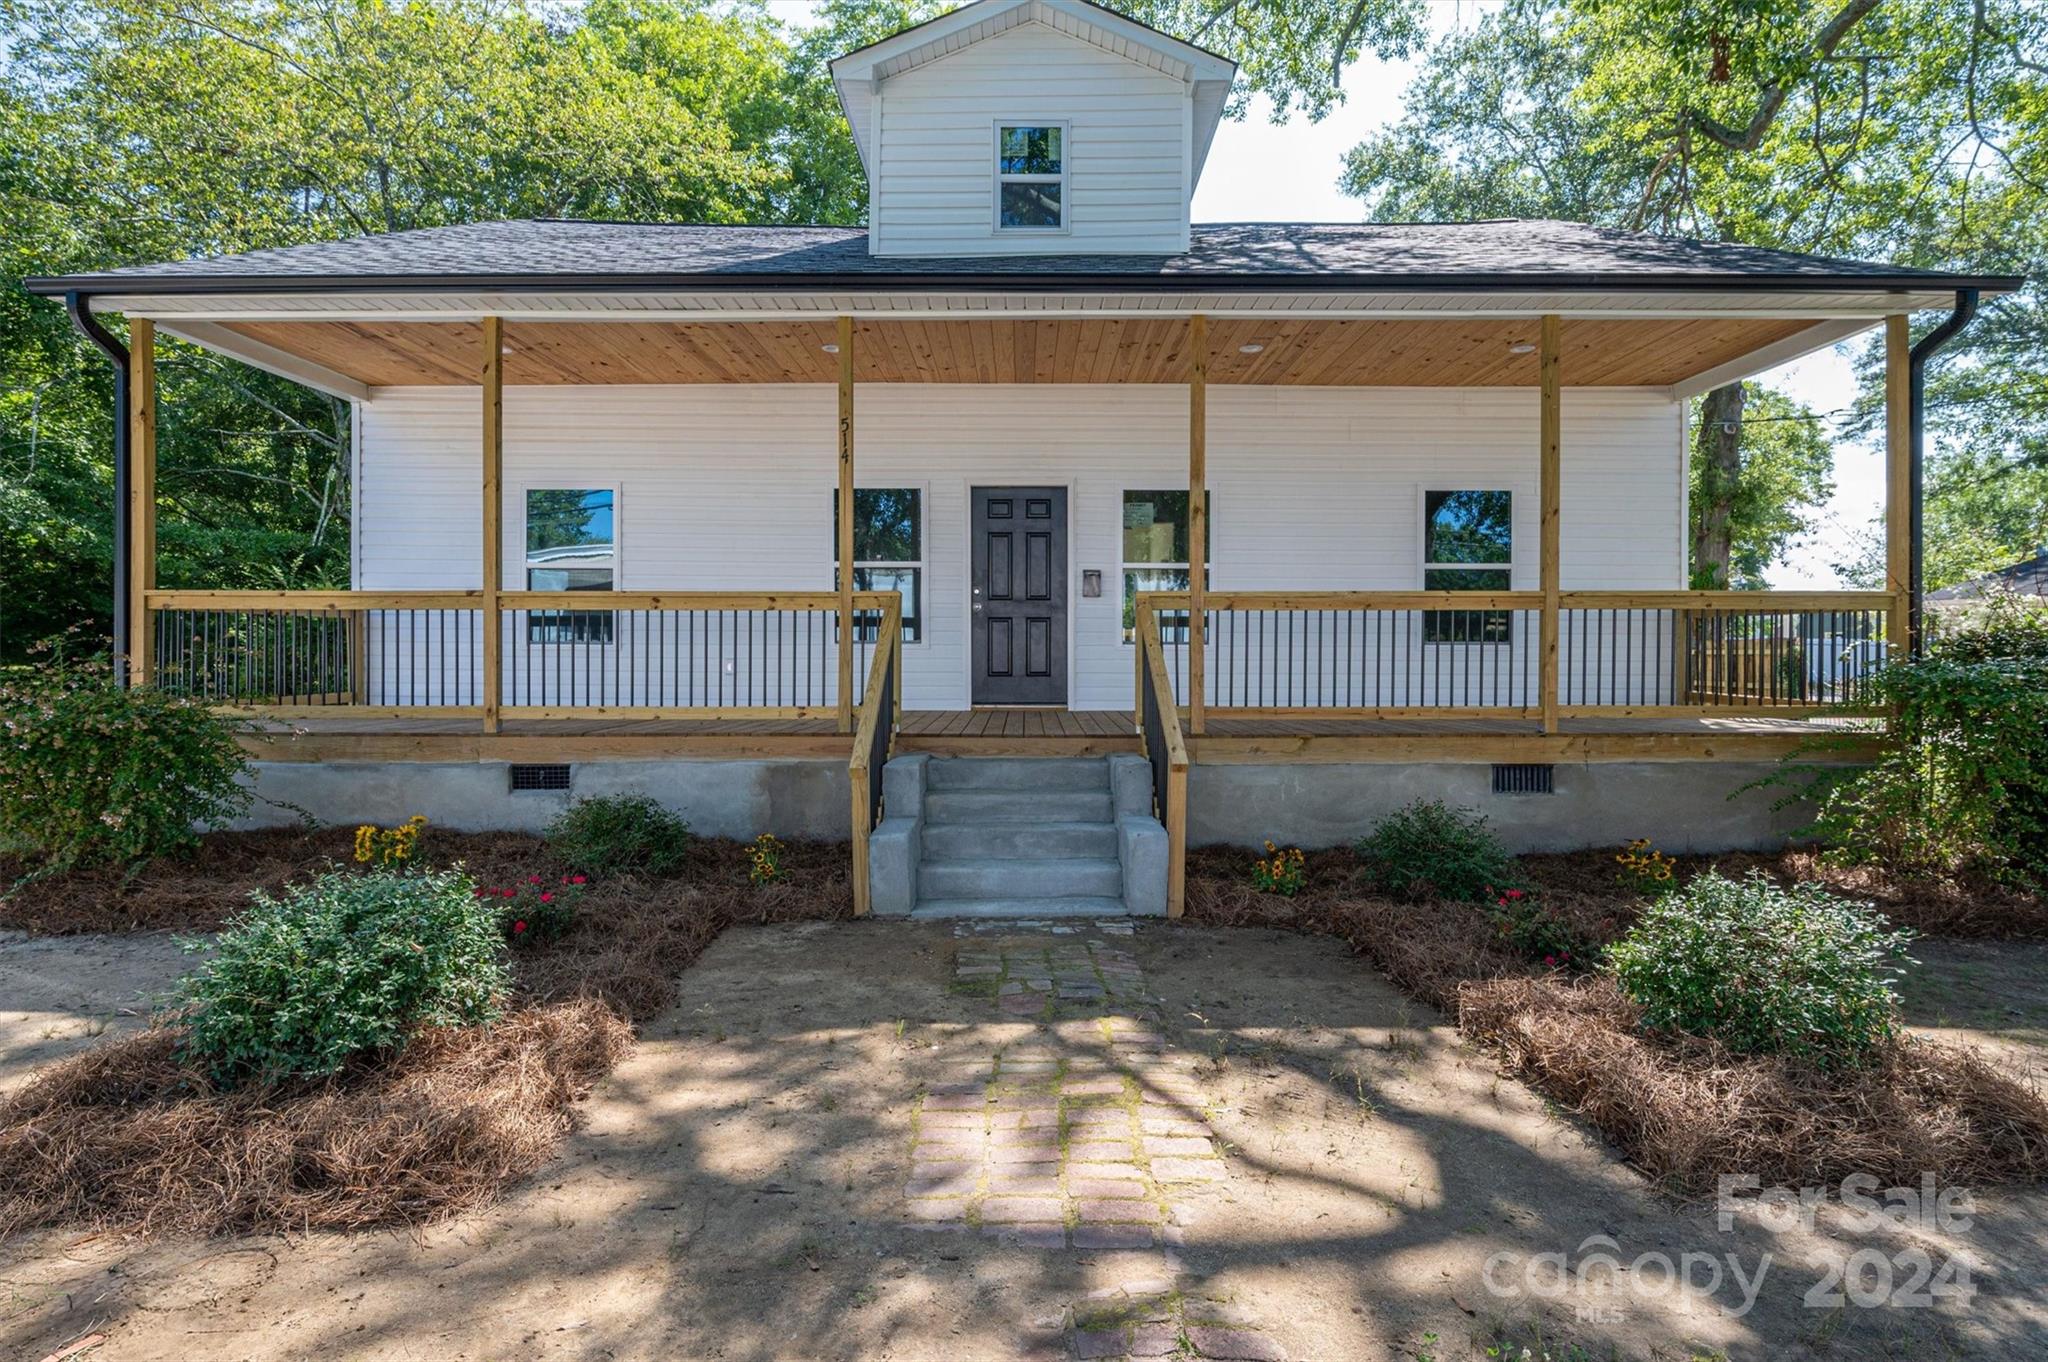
x=864 y=1141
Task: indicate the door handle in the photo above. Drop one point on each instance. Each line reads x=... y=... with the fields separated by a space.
x=977 y=607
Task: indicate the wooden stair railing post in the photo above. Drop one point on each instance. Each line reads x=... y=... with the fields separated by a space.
x=493 y=516
x=1550 y=487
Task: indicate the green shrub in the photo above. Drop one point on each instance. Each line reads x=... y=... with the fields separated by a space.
x=91 y=774
x=620 y=834
x=2003 y=627
x=1961 y=784
x=1765 y=970
x=1430 y=850
x=350 y=963
x=1531 y=930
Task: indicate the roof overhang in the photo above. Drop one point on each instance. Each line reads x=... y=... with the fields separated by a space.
x=858 y=74
x=355 y=345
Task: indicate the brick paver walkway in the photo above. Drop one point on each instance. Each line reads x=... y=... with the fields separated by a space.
x=1084 y=1132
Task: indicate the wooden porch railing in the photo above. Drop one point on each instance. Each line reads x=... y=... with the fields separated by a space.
x=1478 y=654
x=561 y=655
x=1167 y=751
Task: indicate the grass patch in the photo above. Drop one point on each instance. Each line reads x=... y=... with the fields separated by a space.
x=1685 y=1110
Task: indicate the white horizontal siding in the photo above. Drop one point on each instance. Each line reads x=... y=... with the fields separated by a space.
x=933 y=170
x=731 y=488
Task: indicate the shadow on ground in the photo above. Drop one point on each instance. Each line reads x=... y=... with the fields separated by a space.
x=738 y=1190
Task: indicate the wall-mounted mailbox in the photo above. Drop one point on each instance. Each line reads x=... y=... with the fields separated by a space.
x=1091 y=581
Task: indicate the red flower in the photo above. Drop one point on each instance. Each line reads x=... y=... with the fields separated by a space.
x=1549 y=959
x=546 y=897
x=519 y=926
x=533 y=879
x=578 y=879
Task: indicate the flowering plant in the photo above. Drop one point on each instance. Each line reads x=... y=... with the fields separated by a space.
x=535 y=912
x=390 y=848
x=1646 y=870
x=1532 y=930
x=764 y=860
x=1282 y=872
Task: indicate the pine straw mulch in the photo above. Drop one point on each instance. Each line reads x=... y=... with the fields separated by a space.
x=1683 y=1110
x=1968 y=907
x=127 y=1137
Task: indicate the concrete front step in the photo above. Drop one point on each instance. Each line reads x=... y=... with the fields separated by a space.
x=1034 y=774
x=1017 y=806
x=1020 y=879
x=1018 y=841
x=1020 y=908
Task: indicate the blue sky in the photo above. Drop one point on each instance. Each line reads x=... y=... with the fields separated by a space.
x=1262 y=171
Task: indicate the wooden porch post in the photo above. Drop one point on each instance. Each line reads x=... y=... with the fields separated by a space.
x=1898 y=486
x=846 y=524
x=1549 y=490
x=1198 y=520
x=494 y=511
x=141 y=508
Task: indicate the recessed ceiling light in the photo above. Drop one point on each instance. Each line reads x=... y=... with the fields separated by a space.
x=830 y=349
x=1522 y=348
x=1251 y=349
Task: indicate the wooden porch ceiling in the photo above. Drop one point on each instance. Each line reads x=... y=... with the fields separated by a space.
x=1340 y=353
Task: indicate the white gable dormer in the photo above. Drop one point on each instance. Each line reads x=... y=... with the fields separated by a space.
x=1031 y=127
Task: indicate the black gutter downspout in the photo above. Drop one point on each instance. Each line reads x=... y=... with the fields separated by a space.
x=78 y=305
x=1916 y=440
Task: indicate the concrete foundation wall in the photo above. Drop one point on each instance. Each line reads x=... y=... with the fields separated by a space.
x=739 y=799
x=1682 y=806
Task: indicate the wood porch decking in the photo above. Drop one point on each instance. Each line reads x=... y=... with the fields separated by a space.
x=1040 y=732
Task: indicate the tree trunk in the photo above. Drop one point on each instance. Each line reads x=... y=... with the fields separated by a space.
x=1717 y=456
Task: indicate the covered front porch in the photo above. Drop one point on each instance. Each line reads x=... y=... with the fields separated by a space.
x=1514 y=669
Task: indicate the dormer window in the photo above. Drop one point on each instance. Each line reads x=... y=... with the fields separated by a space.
x=1031 y=177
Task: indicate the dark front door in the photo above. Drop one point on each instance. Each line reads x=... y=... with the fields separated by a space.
x=1020 y=595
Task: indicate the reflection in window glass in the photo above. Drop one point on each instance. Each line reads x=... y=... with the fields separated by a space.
x=888 y=552
x=1030 y=176
x=570 y=546
x=1462 y=534
x=1156 y=556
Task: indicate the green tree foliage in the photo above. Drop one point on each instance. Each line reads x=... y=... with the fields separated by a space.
x=1746 y=510
x=135 y=131
x=1913 y=130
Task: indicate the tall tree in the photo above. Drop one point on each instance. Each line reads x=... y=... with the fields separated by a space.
x=1911 y=131
x=139 y=130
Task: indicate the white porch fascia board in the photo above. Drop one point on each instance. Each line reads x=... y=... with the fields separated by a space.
x=1795 y=346
x=1851 y=311
x=270 y=359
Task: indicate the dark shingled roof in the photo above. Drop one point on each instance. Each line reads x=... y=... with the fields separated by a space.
x=2028 y=577
x=612 y=255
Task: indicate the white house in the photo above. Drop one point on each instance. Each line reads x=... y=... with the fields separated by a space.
x=1442 y=468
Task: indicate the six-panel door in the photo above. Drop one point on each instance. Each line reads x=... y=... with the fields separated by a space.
x=1019 y=601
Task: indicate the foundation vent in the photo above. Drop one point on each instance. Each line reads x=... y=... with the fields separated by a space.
x=529 y=777
x=1524 y=779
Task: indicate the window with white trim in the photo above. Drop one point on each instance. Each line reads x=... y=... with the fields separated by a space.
x=1155 y=555
x=1031 y=176
x=888 y=552
x=571 y=545
x=1468 y=544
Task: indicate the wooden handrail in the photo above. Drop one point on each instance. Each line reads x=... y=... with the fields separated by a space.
x=1789 y=601
x=1174 y=808
x=888 y=651
x=512 y=600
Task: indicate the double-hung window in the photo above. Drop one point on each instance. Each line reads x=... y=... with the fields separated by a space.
x=888 y=552
x=1031 y=176
x=1155 y=556
x=1467 y=545
x=571 y=545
